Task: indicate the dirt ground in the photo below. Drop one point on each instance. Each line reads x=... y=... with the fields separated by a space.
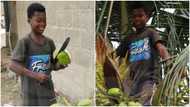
x=10 y=89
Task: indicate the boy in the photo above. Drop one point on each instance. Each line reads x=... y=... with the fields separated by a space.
x=32 y=58
x=143 y=47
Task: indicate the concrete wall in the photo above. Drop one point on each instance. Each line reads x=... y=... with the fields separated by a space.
x=76 y=20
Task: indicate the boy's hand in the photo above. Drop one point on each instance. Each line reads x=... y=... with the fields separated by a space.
x=41 y=77
x=60 y=66
x=19 y=69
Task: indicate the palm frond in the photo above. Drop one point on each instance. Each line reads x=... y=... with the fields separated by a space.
x=168 y=89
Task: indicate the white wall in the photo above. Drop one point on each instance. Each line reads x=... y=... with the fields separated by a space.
x=76 y=20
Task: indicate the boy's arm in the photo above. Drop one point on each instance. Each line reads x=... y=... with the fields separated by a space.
x=157 y=41
x=162 y=51
x=122 y=49
x=19 y=69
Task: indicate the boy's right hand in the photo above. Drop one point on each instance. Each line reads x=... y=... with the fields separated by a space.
x=41 y=77
x=18 y=68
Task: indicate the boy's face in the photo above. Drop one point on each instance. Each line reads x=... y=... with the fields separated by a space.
x=139 y=18
x=38 y=22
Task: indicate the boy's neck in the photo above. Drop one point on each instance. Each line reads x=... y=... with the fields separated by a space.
x=33 y=34
x=139 y=30
x=37 y=38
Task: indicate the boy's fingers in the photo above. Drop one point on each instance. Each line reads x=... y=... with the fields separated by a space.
x=64 y=66
x=42 y=77
x=60 y=66
x=46 y=77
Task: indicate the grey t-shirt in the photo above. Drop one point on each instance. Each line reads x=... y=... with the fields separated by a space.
x=37 y=58
x=143 y=56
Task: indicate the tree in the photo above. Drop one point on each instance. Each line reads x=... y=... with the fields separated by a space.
x=173 y=28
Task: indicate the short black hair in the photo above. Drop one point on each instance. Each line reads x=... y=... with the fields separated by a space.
x=147 y=6
x=35 y=7
x=141 y=6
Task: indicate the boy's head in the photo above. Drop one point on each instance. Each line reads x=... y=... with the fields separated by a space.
x=140 y=15
x=37 y=17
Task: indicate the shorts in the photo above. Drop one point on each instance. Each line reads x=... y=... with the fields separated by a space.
x=40 y=96
x=144 y=92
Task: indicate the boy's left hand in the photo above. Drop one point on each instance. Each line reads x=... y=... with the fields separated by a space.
x=60 y=66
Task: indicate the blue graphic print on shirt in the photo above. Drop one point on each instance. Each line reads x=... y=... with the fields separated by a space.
x=39 y=63
x=139 y=50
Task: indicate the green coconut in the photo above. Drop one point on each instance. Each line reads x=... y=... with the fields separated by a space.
x=63 y=58
x=84 y=102
x=114 y=92
x=122 y=104
x=132 y=103
x=56 y=104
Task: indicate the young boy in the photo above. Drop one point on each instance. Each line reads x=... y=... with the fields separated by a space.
x=32 y=58
x=143 y=47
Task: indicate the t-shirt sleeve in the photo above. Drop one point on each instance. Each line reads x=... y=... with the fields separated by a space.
x=155 y=37
x=122 y=49
x=52 y=46
x=19 y=51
